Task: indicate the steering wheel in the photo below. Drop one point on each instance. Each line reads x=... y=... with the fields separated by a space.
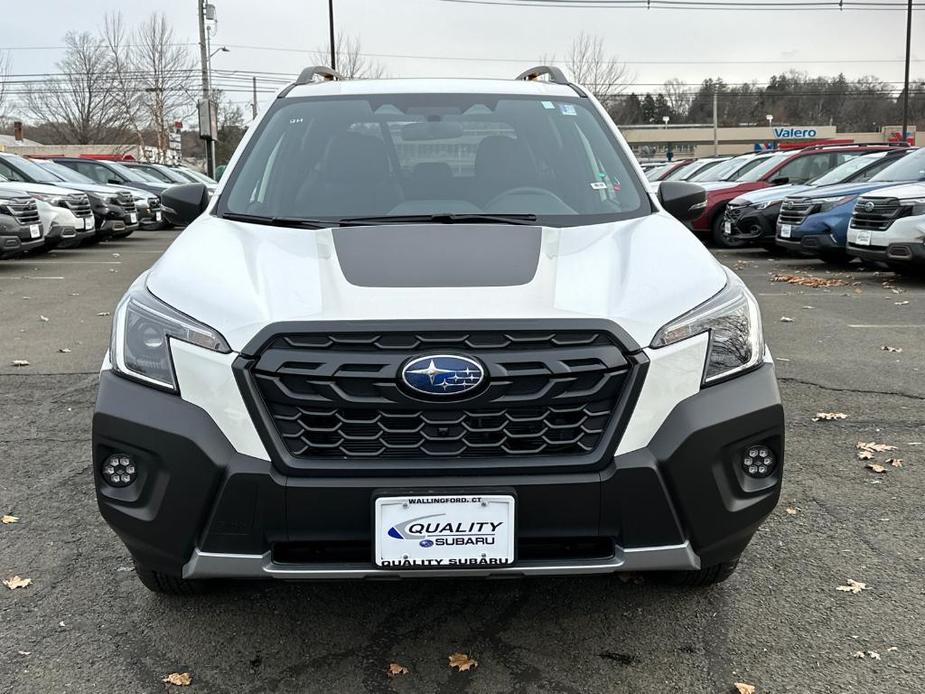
x=525 y=190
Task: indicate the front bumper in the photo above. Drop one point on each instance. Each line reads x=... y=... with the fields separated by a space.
x=911 y=253
x=756 y=225
x=201 y=509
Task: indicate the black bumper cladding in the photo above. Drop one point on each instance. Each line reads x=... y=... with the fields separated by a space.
x=681 y=502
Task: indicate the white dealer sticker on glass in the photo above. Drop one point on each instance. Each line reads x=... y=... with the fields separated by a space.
x=460 y=531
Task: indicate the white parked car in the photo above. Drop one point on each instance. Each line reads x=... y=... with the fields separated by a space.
x=889 y=225
x=435 y=327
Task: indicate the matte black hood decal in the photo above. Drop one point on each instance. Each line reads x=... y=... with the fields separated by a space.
x=438 y=255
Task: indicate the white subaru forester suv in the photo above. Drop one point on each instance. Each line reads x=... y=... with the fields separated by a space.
x=435 y=328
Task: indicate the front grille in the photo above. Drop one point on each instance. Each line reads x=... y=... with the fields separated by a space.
x=332 y=396
x=126 y=201
x=733 y=212
x=154 y=204
x=795 y=211
x=24 y=210
x=875 y=214
x=79 y=204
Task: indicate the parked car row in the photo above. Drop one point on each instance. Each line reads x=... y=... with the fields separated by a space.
x=63 y=202
x=870 y=207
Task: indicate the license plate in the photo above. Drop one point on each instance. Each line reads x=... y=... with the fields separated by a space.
x=88 y=223
x=863 y=238
x=132 y=218
x=727 y=228
x=157 y=216
x=35 y=231
x=785 y=231
x=439 y=532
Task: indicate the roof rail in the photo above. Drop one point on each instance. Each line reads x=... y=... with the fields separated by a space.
x=555 y=74
x=307 y=76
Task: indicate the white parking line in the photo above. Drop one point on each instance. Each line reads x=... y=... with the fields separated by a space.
x=894 y=325
x=81 y=262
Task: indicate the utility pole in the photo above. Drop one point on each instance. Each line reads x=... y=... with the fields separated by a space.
x=908 y=55
x=715 y=124
x=206 y=90
x=254 y=102
x=331 y=33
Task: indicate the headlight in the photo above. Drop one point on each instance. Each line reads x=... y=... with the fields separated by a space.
x=916 y=205
x=826 y=204
x=50 y=199
x=765 y=204
x=142 y=326
x=733 y=321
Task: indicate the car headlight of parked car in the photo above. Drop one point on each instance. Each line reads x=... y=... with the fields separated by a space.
x=141 y=333
x=55 y=200
x=733 y=321
x=915 y=206
x=766 y=204
x=826 y=204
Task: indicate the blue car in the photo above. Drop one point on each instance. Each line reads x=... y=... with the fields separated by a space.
x=815 y=222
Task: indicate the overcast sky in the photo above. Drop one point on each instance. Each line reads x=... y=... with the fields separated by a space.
x=475 y=40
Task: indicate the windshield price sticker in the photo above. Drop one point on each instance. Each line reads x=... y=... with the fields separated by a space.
x=444 y=531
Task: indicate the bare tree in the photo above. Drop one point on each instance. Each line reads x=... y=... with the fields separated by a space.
x=603 y=74
x=77 y=106
x=351 y=62
x=123 y=72
x=164 y=71
x=4 y=77
x=679 y=97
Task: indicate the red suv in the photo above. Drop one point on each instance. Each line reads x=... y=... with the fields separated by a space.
x=793 y=167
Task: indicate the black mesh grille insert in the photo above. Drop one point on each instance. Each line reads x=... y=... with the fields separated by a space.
x=341 y=396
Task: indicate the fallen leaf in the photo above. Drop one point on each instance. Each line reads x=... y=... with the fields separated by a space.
x=891 y=649
x=829 y=416
x=872 y=447
x=852 y=586
x=24 y=652
x=20 y=362
x=865 y=455
x=104 y=313
x=743 y=688
x=8 y=519
x=858 y=654
x=64 y=350
x=900 y=303
x=786 y=319
x=462 y=662
x=876 y=467
x=808 y=308
x=180 y=679
x=895 y=462
x=395 y=669
x=16 y=582
x=887 y=348
x=44 y=319
x=874 y=655
x=809 y=280
x=792 y=510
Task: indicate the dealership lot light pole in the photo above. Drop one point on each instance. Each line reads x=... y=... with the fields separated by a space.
x=906 y=89
x=331 y=33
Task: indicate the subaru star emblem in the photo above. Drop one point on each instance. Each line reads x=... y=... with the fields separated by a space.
x=443 y=374
x=869 y=206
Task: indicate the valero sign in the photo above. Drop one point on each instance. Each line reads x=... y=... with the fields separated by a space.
x=794 y=133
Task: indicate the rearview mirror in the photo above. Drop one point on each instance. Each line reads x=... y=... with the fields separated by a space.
x=685 y=201
x=431 y=130
x=184 y=203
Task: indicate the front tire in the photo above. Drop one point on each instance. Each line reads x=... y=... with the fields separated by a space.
x=157 y=582
x=707 y=576
x=720 y=239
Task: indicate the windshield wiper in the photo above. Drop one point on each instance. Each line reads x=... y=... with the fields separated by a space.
x=443 y=218
x=295 y=222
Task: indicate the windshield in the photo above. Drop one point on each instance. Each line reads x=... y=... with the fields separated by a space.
x=197 y=176
x=844 y=171
x=131 y=174
x=764 y=166
x=719 y=172
x=910 y=168
x=659 y=171
x=64 y=173
x=435 y=154
x=33 y=171
x=161 y=175
x=682 y=172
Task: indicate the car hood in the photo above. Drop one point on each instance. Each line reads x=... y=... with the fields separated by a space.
x=717 y=185
x=769 y=194
x=44 y=188
x=239 y=277
x=842 y=189
x=98 y=189
x=902 y=191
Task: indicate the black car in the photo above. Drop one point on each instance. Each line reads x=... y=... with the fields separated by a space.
x=752 y=218
x=113 y=207
x=20 y=225
x=113 y=173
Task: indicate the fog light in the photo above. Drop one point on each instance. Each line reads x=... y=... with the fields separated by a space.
x=758 y=461
x=119 y=470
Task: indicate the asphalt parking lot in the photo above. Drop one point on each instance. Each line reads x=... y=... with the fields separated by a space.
x=86 y=625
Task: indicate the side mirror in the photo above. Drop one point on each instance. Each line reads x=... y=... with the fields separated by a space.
x=780 y=181
x=184 y=203
x=685 y=201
